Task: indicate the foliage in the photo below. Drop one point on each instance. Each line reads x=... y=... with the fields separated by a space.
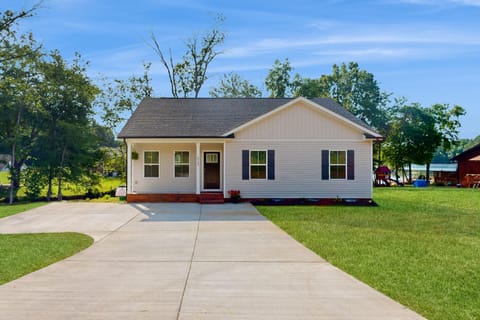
x=447 y=122
x=233 y=86
x=353 y=88
x=413 y=137
x=188 y=76
x=19 y=114
x=25 y=253
x=113 y=160
x=47 y=117
x=34 y=180
x=416 y=134
x=8 y=35
x=68 y=137
x=472 y=142
x=119 y=98
x=278 y=79
x=419 y=247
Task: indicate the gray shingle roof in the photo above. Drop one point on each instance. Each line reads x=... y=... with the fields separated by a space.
x=207 y=117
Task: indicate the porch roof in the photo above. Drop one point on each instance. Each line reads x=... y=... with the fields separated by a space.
x=208 y=117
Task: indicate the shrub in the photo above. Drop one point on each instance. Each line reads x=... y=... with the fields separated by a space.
x=34 y=181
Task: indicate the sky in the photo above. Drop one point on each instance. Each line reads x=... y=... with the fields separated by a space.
x=425 y=50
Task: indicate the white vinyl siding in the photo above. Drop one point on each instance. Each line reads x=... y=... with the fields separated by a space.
x=166 y=182
x=298 y=170
x=300 y=121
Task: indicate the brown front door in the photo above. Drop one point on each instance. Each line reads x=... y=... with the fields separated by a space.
x=211 y=170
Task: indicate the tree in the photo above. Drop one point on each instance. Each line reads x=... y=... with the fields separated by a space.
x=353 y=88
x=447 y=122
x=66 y=97
x=278 y=79
x=19 y=109
x=120 y=97
x=233 y=86
x=413 y=137
x=9 y=48
x=188 y=76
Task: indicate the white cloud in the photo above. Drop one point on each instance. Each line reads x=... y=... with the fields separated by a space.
x=411 y=36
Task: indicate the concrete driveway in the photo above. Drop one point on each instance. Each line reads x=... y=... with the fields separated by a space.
x=183 y=261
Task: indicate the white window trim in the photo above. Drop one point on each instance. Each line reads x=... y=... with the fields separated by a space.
x=143 y=155
x=188 y=163
x=257 y=165
x=336 y=165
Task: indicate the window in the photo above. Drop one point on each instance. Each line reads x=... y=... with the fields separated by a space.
x=258 y=164
x=338 y=165
x=211 y=158
x=151 y=164
x=182 y=164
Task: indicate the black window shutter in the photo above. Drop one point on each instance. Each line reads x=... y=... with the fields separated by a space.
x=271 y=164
x=350 y=165
x=245 y=165
x=325 y=165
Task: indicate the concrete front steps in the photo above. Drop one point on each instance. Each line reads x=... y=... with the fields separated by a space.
x=211 y=198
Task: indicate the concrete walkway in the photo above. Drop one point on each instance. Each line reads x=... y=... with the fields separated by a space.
x=183 y=261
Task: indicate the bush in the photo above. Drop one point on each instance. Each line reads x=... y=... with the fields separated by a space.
x=34 y=181
x=93 y=193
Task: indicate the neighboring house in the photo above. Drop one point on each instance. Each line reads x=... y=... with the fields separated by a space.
x=5 y=160
x=468 y=171
x=186 y=149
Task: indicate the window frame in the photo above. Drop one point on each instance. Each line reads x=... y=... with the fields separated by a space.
x=330 y=165
x=157 y=164
x=250 y=165
x=181 y=164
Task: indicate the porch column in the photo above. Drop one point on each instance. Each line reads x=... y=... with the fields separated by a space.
x=224 y=170
x=129 y=167
x=197 y=161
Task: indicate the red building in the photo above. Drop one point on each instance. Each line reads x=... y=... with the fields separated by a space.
x=468 y=171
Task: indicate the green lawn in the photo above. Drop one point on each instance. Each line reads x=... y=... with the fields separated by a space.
x=4 y=177
x=70 y=189
x=8 y=210
x=419 y=246
x=24 y=253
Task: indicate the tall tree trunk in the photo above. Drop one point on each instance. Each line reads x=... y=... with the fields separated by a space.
x=50 y=178
x=60 y=175
x=428 y=174
x=12 y=176
x=410 y=172
x=14 y=171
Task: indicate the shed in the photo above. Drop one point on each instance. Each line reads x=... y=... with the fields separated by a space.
x=468 y=171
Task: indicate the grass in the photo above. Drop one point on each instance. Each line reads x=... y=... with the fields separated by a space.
x=4 y=177
x=419 y=246
x=25 y=253
x=69 y=189
x=8 y=210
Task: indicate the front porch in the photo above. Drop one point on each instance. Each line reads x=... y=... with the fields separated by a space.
x=203 y=197
x=176 y=170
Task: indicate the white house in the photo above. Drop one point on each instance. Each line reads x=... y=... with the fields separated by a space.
x=199 y=149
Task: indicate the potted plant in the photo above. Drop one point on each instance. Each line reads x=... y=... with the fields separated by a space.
x=234 y=195
x=134 y=155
